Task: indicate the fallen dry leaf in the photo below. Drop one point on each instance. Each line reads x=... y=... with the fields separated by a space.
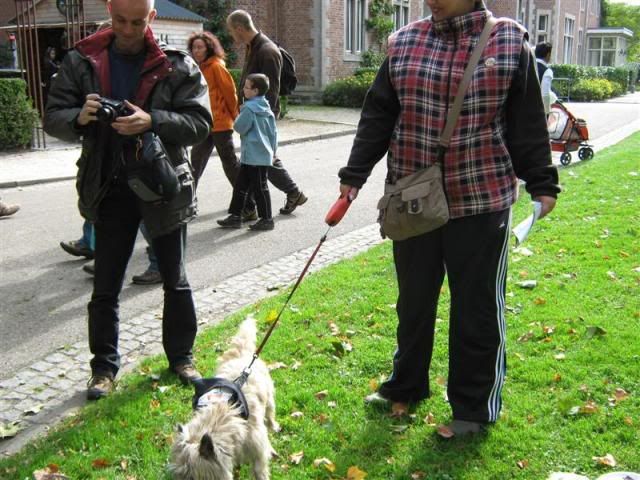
x=526 y=337
x=326 y=463
x=332 y=404
x=100 y=463
x=46 y=474
x=154 y=403
x=9 y=430
x=296 y=365
x=607 y=460
x=322 y=418
x=440 y=380
x=271 y=316
x=430 y=419
x=557 y=377
x=335 y=330
x=418 y=475
x=354 y=473
x=33 y=409
x=322 y=394
x=539 y=301
x=296 y=457
x=522 y=464
x=276 y=366
x=620 y=394
x=373 y=385
x=560 y=356
x=297 y=415
x=628 y=421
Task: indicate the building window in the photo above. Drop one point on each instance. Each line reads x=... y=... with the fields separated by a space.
x=580 y=47
x=602 y=51
x=542 y=28
x=569 y=25
x=582 y=5
x=354 y=26
x=520 y=11
x=400 y=13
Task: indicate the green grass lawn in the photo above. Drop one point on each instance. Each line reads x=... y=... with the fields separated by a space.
x=572 y=392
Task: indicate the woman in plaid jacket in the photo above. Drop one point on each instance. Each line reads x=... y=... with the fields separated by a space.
x=500 y=136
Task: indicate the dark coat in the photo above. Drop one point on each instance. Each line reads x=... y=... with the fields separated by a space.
x=173 y=91
x=263 y=56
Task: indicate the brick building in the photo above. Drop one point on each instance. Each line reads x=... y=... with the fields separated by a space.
x=327 y=37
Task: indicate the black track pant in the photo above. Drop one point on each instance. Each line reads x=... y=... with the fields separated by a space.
x=472 y=251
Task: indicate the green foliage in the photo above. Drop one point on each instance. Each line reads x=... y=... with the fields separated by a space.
x=349 y=91
x=592 y=89
x=372 y=59
x=380 y=20
x=366 y=70
x=236 y=73
x=215 y=11
x=628 y=16
x=17 y=116
x=618 y=76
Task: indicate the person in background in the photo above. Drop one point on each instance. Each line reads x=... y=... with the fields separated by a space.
x=263 y=56
x=545 y=75
x=6 y=209
x=256 y=125
x=50 y=65
x=501 y=135
x=208 y=53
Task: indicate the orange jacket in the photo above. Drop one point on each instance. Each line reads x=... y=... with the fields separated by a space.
x=222 y=93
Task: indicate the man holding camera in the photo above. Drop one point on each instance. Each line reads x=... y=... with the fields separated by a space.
x=111 y=88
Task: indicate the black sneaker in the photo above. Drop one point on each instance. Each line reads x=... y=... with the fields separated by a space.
x=187 y=373
x=261 y=225
x=77 y=249
x=249 y=215
x=232 y=221
x=294 y=199
x=99 y=386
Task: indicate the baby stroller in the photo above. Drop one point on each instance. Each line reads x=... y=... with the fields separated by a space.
x=568 y=134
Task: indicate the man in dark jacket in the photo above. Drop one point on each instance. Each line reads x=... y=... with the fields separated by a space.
x=263 y=56
x=164 y=92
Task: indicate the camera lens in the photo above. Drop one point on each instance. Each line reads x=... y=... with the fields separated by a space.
x=106 y=114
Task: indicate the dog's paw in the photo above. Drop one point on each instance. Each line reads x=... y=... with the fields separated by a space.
x=275 y=427
x=274 y=454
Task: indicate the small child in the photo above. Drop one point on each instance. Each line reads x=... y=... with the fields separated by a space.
x=258 y=135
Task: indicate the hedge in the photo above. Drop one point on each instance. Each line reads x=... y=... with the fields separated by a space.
x=17 y=117
x=576 y=73
x=349 y=91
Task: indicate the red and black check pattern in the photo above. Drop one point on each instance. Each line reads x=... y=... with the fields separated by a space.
x=426 y=64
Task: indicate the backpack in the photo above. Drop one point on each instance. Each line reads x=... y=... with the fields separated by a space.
x=288 y=78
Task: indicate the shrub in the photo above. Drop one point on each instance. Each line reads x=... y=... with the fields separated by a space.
x=366 y=71
x=236 y=73
x=594 y=89
x=371 y=59
x=17 y=116
x=617 y=75
x=349 y=91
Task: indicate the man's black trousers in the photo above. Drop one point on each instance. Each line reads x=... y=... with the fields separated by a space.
x=115 y=233
x=472 y=251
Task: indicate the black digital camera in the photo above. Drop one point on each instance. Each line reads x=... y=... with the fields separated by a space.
x=111 y=109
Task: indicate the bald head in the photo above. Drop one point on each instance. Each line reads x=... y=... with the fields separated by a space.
x=130 y=19
x=241 y=27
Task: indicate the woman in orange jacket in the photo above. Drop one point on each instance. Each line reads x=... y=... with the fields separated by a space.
x=207 y=51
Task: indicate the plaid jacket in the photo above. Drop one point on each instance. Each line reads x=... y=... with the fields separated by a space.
x=426 y=64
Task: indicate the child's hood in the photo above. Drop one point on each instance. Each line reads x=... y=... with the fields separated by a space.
x=259 y=105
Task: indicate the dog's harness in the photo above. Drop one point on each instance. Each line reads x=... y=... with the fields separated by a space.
x=215 y=390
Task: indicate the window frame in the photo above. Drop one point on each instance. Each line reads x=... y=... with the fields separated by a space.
x=355 y=39
x=568 y=39
x=546 y=33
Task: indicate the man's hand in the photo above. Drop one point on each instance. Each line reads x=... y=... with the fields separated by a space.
x=138 y=122
x=88 y=112
x=548 y=203
x=348 y=190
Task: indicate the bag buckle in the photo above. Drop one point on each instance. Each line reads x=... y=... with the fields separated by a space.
x=415 y=206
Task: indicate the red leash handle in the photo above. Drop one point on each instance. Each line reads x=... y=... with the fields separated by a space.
x=338 y=210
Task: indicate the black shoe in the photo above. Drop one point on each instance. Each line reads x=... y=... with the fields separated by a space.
x=232 y=221
x=263 y=224
x=149 y=277
x=187 y=373
x=89 y=268
x=99 y=386
x=294 y=199
x=77 y=249
x=249 y=215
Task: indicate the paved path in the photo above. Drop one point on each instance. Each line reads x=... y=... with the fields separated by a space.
x=65 y=370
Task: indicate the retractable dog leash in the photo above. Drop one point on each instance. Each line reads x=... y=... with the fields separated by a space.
x=335 y=214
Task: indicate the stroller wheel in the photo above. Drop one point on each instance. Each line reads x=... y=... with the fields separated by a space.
x=585 y=153
x=565 y=158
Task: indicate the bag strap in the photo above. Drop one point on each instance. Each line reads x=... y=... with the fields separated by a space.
x=454 y=112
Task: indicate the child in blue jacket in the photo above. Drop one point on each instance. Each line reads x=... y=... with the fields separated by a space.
x=258 y=135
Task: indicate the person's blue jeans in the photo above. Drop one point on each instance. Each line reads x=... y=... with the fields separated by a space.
x=88 y=238
x=116 y=231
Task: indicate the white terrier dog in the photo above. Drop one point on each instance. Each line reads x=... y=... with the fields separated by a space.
x=218 y=439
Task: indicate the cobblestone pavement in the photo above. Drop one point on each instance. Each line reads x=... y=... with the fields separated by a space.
x=38 y=395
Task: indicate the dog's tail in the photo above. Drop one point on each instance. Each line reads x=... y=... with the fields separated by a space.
x=244 y=342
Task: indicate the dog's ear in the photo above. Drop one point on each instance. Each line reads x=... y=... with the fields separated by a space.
x=180 y=428
x=206 y=447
